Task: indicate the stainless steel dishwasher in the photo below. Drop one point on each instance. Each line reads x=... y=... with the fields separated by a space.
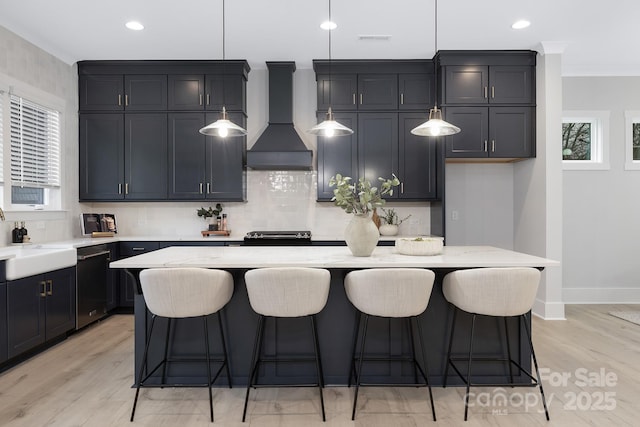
x=92 y=269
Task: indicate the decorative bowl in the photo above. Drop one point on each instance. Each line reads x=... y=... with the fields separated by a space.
x=420 y=245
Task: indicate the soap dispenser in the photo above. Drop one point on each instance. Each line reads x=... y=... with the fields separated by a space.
x=16 y=237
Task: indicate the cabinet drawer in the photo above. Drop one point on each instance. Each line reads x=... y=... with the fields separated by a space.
x=128 y=249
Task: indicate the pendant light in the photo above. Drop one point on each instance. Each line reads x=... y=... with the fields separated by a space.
x=330 y=127
x=435 y=126
x=223 y=127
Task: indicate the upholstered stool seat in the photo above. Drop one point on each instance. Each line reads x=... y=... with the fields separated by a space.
x=390 y=293
x=286 y=292
x=178 y=293
x=496 y=292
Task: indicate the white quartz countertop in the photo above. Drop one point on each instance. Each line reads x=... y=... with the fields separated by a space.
x=327 y=257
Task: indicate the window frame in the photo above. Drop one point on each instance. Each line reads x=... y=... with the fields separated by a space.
x=10 y=86
x=599 y=121
x=630 y=118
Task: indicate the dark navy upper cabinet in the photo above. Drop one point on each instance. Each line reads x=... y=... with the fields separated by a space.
x=205 y=167
x=377 y=146
x=139 y=139
x=415 y=91
x=490 y=95
x=101 y=92
x=417 y=162
x=119 y=92
x=337 y=155
x=338 y=91
x=377 y=91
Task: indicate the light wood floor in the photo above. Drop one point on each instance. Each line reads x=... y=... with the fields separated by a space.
x=85 y=381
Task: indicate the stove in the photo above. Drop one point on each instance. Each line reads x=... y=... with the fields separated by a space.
x=278 y=238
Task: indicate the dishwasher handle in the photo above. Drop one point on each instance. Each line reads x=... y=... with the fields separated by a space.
x=84 y=257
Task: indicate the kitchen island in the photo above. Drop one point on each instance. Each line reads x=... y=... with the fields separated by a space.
x=336 y=322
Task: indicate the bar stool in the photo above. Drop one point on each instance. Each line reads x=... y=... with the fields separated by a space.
x=178 y=293
x=496 y=292
x=286 y=292
x=391 y=293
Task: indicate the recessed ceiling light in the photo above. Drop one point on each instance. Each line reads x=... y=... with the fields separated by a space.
x=134 y=25
x=519 y=25
x=328 y=25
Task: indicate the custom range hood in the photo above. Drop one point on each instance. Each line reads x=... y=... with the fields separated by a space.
x=280 y=147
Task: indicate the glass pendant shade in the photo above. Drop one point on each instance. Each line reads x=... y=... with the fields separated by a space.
x=435 y=126
x=330 y=127
x=223 y=127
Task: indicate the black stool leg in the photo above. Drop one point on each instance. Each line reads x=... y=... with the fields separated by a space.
x=144 y=362
x=448 y=361
x=466 y=396
x=254 y=362
x=535 y=363
x=356 y=330
x=316 y=347
x=166 y=352
x=506 y=333
x=224 y=349
x=206 y=344
x=359 y=371
x=426 y=366
x=413 y=350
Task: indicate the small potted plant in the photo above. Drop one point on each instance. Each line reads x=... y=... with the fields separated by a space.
x=390 y=222
x=211 y=213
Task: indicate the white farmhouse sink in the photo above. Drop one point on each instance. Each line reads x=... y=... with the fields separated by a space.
x=29 y=260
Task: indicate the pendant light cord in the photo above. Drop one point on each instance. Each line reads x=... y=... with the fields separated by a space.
x=435 y=53
x=330 y=70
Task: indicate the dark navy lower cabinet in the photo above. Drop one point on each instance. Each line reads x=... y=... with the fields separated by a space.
x=3 y=322
x=40 y=308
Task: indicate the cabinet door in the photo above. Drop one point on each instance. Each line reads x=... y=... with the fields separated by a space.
x=26 y=300
x=225 y=90
x=337 y=91
x=511 y=132
x=101 y=92
x=337 y=155
x=378 y=146
x=473 y=138
x=60 y=302
x=145 y=92
x=186 y=156
x=186 y=92
x=146 y=156
x=416 y=91
x=377 y=91
x=225 y=171
x=466 y=84
x=3 y=322
x=511 y=85
x=417 y=167
x=101 y=156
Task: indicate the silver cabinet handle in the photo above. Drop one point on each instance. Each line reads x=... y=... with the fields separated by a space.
x=402 y=99
x=137 y=249
x=49 y=287
x=493 y=92
x=120 y=188
x=126 y=188
x=354 y=99
x=402 y=188
x=200 y=99
x=119 y=100
x=493 y=145
x=485 y=145
x=83 y=257
x=200 y=188
x=208 y=188
x=43 y=289
x=208 y=99
x=360 y=99
x=126 y=100
x=485 y=92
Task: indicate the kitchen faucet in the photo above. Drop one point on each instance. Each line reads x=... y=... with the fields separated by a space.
x=1 y=215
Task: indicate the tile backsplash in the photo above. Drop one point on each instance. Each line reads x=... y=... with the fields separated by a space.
x=276 y=200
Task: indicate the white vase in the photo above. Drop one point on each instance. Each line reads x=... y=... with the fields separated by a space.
x=361 y=235
x=388 y=229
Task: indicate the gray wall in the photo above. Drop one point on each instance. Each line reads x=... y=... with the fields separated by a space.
x=602 y=208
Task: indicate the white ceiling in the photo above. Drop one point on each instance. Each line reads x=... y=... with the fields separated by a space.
x=602 y=38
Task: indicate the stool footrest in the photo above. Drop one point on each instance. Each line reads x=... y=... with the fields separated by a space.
x=534 y=382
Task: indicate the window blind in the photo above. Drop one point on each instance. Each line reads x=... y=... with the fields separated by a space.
x=35 y=144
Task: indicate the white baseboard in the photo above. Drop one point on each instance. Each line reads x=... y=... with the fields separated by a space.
x=548 y=310
x=601 y=295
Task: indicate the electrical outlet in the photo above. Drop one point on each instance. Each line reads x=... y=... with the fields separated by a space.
x=454 y=215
